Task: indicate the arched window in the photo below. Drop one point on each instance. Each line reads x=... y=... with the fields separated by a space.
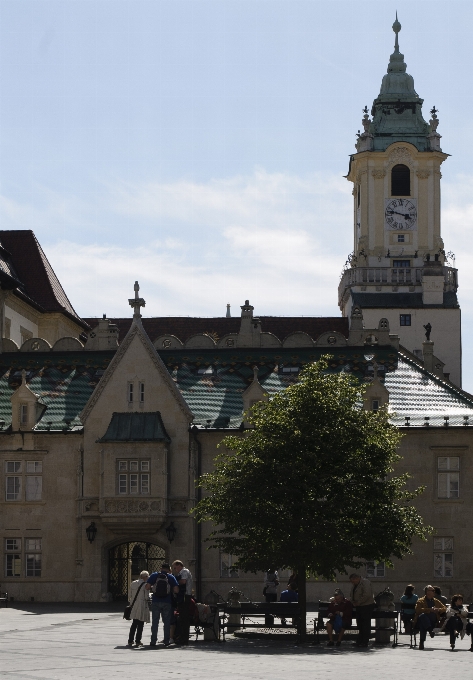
x=400 y=181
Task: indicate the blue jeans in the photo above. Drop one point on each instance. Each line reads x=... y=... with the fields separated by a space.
x=158 y=609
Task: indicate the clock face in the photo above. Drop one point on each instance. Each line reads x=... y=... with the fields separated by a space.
x=400 y=214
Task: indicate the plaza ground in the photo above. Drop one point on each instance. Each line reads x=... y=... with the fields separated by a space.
x=68 y=642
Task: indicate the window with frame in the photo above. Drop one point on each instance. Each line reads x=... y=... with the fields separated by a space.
x=142 y=393
x=130 y=392
x=448 y=477
x=400 y=264
x=33 y=556
x=375 y=569
x=13 y=480
x=443 y=557
x=404 y=319
x=400 y=180
x=133 y=477
x=401 y=238
x=13 y=557
x=227 y=570
x=16 y=480
x=375 y=405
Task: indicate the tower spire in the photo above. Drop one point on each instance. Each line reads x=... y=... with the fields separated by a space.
x=396 y=28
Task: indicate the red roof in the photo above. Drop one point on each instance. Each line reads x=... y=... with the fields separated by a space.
x=183 y=327
x=40 y=284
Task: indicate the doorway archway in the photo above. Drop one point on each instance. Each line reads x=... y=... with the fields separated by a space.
x=127 y=560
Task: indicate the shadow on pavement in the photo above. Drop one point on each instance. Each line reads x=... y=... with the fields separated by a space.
x=38 y=608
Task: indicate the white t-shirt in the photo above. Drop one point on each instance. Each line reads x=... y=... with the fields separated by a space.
x=185 y=574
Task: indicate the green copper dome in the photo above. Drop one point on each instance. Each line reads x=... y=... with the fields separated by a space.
x=397 y=111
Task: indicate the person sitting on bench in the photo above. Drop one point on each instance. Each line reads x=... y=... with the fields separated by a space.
x=408 y=601
x=457 y=619
x=429 y=610
x=340 y=612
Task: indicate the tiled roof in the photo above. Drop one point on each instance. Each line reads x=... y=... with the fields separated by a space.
x=213 y=381
x=135 y=427
x=63 y=381
x=183 y=327
x=39 y=282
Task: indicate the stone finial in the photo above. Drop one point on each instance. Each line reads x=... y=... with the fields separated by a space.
x=428 y=331
x=136 y=302
x=366 y=120
x=228 y=314
x=23 y=377
x=396 y=28
x=255 y=373
x=434 y=121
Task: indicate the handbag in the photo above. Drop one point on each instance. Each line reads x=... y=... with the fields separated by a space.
x=127 y=612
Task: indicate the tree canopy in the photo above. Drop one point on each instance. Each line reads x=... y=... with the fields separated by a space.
x=312 y=486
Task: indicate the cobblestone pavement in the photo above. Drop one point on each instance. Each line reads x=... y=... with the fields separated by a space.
x=50 y=642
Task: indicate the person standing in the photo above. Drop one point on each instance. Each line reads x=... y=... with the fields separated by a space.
x=162 y=584
x=361 y=596
x=270 y=592
x=139 y=597
x=184 y=579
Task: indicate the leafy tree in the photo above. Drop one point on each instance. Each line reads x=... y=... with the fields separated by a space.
x=311 y=487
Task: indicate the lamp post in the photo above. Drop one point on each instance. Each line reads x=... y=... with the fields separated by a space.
x=91 y=531
x=171 y=532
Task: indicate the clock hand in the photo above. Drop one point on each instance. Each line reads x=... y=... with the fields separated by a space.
x=395 y=212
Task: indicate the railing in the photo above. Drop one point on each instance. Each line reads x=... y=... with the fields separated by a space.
x=395 y=276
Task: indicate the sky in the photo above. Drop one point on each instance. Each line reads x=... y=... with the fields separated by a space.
x=200 y=146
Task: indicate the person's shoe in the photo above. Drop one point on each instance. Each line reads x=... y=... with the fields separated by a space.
x=152 y=644
x=171 y=641
x=139 y=644
x=431 y=633
x=167 y=644
x=421 y=645
x=330 y=643
x=130 y=644
x=338 y=643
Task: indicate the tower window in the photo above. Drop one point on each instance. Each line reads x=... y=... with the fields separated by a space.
x=405 y=319
x=401 y=238
x=400 y=181
x=401 y=263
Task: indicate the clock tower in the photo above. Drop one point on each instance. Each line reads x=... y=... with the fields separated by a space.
x=398 y=268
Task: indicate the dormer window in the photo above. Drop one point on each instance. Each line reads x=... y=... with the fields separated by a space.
x=23 y=414
x=400 y=181
x=130 y=393
x=142 y=393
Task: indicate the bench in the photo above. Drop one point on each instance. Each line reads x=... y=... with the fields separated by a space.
x=378 y=616
x=261 y=610
x=415 y=631
x=212 y=623
x=4 y=598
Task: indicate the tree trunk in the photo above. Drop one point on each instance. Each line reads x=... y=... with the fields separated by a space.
x=302 y=600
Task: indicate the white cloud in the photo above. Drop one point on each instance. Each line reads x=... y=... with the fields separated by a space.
x=273 y=238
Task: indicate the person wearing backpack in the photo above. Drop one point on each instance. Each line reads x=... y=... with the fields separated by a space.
x=162 y=585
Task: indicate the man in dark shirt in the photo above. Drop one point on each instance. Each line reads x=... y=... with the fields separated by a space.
x=162 y=605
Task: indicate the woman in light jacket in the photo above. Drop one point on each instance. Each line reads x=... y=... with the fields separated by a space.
x=457 y=619
x=140 y=610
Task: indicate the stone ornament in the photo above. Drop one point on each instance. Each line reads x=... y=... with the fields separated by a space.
x=134 y=506
x=400 y=155
x=230 y=342
x=423 y=174
x=378 y=174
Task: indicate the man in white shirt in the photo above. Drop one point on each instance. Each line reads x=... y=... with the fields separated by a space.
x=184 y=578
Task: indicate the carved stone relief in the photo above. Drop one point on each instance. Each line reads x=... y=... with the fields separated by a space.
x=400 y=155
x=132 y=506
x=178 y=505
x=378 y=174
x=423 y=174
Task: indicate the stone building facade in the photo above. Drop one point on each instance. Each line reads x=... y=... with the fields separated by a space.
x=105 y=424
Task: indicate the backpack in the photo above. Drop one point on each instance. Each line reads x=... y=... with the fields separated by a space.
x=161 y=587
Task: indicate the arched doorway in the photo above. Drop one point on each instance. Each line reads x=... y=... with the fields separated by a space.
x=127 y=560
